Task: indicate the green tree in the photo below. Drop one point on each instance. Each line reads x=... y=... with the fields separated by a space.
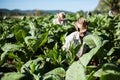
x=105 y=5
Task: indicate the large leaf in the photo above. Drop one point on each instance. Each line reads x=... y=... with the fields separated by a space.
x=54 y=55
x=91 y=77
x=96 y=43
x=20 y=32
x=11 y=47
x=52 y=77
x=98 y=73
x=55 y=74
x=76 y=72
x=33 y=65
x=110 y=66
x=112 y=50
x=59 y=71
x=20 y=35
x=93 y=40
x=32 y=69
x=108 y=71
x=13 y=76
x=3 y=55
x=110 y=76
x=26 y=65
x=32 y=29
x=85 y=59
x=41 y=41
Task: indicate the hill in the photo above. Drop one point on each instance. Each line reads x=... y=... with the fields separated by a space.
x=17 y=12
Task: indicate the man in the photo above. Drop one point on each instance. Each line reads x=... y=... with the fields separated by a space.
x=77 y=37
x=60 y=19
x=110 y=13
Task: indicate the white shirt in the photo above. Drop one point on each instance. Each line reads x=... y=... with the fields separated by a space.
x=110 y=13
x=56 y=21
x=74 y=38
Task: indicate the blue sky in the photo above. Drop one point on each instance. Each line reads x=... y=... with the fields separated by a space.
x=69 y=5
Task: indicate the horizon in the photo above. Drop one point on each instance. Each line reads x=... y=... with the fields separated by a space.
x=50 y=5
x=33 y=9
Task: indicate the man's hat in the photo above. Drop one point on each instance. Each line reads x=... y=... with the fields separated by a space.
x=61 y=14
x=81 y=24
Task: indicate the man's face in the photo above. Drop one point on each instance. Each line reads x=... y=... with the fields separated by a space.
x=82 y=31
x=61 y=17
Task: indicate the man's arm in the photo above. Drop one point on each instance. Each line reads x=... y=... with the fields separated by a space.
x=66 y=46
x=68 y=41
x=82 y=50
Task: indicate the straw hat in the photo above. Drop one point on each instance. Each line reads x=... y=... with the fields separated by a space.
x=61 y=14
x=81 y=24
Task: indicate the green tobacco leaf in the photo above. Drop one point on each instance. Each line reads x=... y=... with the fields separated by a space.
x=20 y=35
x=3 y=55
x=33 y=65
x=91 y=77
x=112 y=50
x=52 y=77
x=93 y=41
x=26 y=65
x=108 y=71
x=98 y=73
x=76 y=72
x=85 y=59
x=53 y=54
x=29 y=40
x=110 y=66
x=13 y=76
x=110 y=76
x=11 y=47
x=77 y=48
x=41 y=41
x=57 y=71
x=32 y=29
x=118 y=25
